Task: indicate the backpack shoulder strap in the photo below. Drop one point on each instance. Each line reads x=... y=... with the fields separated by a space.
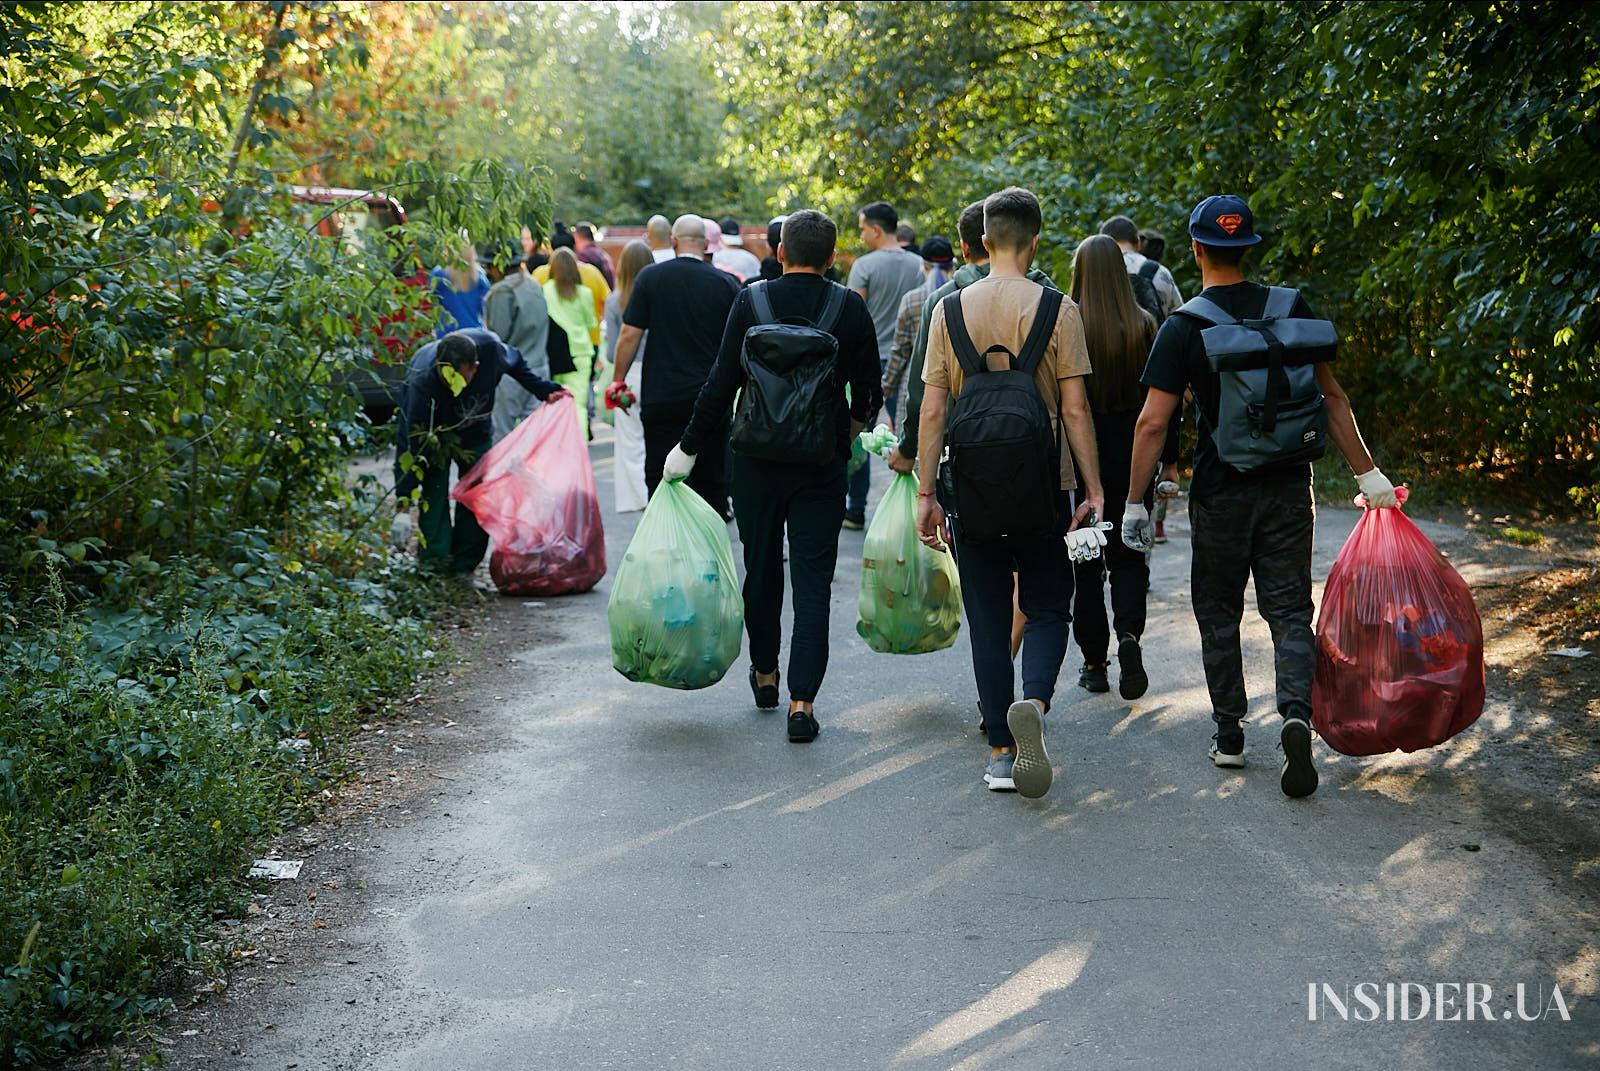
x=960 y=341
x=832 y=309
x=1044 y=325
x=1147 y=270
x=761 y=304
x=1203 y=308
x=1280 y=302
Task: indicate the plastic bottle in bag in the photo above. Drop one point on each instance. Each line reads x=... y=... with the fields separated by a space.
x=534 y=493
x=676 y=614
x=910 y=595
x=1399 y=643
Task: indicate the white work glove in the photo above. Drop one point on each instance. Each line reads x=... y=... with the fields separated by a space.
x=1377 y=490
x=1085 y=544
x=677 y=466
x=1137 y=531
x=1166 y=489
x=401 y=529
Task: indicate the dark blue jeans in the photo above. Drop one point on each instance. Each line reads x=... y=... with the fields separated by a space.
x=1044 y=584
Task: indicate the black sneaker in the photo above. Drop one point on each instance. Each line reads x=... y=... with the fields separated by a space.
x=855 y=521
x=1092 y=678
x=766 y=694
x=1227 y=745
x=1133 y=681
x=803 y=727
x=1299 y=777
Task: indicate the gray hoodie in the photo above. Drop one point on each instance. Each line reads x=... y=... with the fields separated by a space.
x=965 y=276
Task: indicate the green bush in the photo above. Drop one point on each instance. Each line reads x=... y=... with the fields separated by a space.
x=141 y=762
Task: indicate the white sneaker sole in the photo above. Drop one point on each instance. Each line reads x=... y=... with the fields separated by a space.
x=1032 y=773
x=1000 y=784
x=1226 y=761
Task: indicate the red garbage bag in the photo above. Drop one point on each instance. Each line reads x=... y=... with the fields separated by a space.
x=533 y=492
x=1399 y=643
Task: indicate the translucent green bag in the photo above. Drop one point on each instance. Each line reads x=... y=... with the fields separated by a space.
x=910 y=595
x=676 y=614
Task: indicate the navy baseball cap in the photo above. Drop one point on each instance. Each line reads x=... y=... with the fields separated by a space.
x=1223 y=220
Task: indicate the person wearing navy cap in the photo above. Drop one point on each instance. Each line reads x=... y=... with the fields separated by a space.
x=1250 y=521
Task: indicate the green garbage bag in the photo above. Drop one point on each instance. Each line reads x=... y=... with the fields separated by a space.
x=910 y=595
x=676 y=614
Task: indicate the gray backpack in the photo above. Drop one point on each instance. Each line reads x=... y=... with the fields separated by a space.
x=1270 y=411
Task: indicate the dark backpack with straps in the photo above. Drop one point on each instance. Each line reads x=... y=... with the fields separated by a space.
x=1005 y=459
x=1144 y=289
x=1270 y=411
x=789 y=407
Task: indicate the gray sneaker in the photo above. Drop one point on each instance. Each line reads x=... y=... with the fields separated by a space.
x=998 y=775
x=1032 y=773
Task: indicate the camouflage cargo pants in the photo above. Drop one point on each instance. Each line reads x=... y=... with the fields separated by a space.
x=1262 y=529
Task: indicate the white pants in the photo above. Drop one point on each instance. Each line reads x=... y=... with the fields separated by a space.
x=628 y=451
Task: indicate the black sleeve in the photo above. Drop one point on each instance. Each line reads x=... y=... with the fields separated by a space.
x=858 y=341
x=716 y=394
x=412 y=423
x=1167 y=367
x=637 y=314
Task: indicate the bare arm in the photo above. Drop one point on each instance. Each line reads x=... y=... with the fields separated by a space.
x=931 y=430
x=1079 y=427
x=1148 y=436
x=1342 y=427
x=627 y=347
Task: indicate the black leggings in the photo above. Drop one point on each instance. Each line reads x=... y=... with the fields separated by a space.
x=1128 y=569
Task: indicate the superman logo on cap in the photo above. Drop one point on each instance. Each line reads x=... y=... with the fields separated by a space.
x=1229 y=222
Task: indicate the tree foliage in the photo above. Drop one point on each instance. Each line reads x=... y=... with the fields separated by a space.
x=1426 y=172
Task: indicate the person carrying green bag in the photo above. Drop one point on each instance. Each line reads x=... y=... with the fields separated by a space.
x=675 y=613
x=789 y=347
x=910 y=595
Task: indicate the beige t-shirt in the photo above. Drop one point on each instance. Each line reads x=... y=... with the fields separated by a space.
x=999 y=312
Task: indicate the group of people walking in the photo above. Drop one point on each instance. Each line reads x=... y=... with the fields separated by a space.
x=1035 y=420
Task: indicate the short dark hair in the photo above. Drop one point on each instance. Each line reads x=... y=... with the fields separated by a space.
x=458 y=350
x=1230 y=255
x=808 y=239
x=1152 y=243
x=970 y=227
x=560 y=237
x=775 y=235
x=584 y=231
x=1011 y=218
x=905 y=232
x=1120 y=229
x=882 y=213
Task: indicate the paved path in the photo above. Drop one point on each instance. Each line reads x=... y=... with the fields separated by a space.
x=639 y=878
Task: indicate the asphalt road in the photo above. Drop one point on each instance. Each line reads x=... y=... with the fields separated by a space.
x=640 y=878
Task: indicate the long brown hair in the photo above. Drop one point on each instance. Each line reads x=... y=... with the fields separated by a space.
x=1118 y=332
x=636 y=256
x=564 y=270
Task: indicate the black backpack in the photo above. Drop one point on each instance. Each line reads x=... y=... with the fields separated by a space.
x=1005 y=459
x=789 y=407
x=1144 y=289
x=1270 y=411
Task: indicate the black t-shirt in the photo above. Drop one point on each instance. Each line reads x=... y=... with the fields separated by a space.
x=683 y=303
x=803 y=295
x=1178 y=360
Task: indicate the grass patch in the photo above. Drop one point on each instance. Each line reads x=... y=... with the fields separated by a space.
x=140 y=758
x=1522 y=537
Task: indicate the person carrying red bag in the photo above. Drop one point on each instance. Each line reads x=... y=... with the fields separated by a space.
x=1258 y=362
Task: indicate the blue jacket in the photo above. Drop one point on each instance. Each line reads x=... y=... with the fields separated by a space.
x=426 y=404
x=460 y=308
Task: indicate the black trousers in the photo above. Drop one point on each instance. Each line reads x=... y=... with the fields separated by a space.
x=1043 y=587
x=663 y=427
x=1262 y=529
x=808 y=500
x=1129 y=570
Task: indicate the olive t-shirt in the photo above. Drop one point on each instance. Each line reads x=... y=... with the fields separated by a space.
x=999 y=312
